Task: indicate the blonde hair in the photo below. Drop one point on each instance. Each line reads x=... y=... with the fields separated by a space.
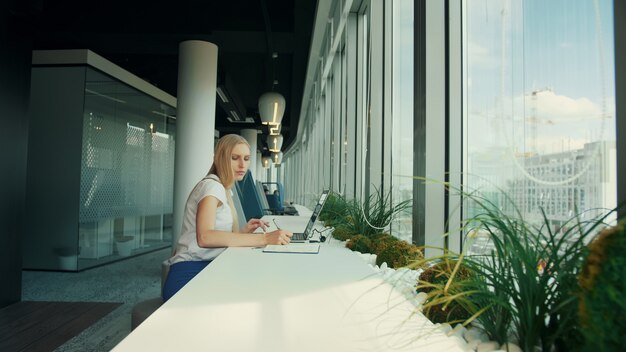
x=223 y=170
x=221 y=161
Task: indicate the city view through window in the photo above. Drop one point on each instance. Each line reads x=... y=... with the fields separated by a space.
x=539 y=113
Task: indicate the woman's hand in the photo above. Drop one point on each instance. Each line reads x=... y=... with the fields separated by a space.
x=278 y=237
x=254 y=224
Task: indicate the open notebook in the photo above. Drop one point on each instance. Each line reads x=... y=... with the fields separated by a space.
x=310 y=248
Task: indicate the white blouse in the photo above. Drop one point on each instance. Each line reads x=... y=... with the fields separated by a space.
x=187 y=248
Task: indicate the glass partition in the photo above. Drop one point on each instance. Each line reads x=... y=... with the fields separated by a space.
x=100 y=166
x=127 y=171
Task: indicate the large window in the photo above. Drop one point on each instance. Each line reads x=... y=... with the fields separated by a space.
x=540 y=107
x=402 y=112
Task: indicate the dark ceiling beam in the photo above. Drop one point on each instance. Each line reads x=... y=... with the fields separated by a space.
x=167 y=44
x=235 y=127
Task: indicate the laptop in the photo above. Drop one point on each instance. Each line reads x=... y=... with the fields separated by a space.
x=303 y=236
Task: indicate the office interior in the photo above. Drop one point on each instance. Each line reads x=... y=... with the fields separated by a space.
x=483 y=95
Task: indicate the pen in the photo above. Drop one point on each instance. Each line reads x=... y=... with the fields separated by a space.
x=274 y=221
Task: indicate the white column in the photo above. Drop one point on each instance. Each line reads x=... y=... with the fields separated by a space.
x=259 y=167
x=195 y=122
x=250 y=135
x=272 y=173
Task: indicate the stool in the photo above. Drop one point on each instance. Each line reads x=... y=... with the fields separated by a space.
x=143 y=310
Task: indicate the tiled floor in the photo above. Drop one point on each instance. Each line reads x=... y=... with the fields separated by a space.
x=128 y=281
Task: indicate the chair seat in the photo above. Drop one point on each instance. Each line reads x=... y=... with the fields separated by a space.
x=143 y=310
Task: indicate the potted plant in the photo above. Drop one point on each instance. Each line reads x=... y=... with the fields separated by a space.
x=124 y=245
x=67 y=257
x=397 y=253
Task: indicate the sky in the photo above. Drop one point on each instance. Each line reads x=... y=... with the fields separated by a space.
x=560 y=49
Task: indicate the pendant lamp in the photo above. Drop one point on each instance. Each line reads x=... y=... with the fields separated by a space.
x=266 y=161
x=277 y=158
x=275 y=130
x=275 y=142
x=271 y=108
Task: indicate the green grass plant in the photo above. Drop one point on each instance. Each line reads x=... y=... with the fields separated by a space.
x=368 y=218
x=334 y=212
x=442 y=281
x=525 y=289
x=374 y=214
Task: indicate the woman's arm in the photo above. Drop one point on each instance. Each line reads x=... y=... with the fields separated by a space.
x=208 y=237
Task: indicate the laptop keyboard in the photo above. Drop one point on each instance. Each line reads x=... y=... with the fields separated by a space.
x=298 y=237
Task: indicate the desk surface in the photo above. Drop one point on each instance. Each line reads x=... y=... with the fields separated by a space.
x=247 y=300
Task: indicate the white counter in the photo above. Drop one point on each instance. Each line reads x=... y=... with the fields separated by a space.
x=247 y=300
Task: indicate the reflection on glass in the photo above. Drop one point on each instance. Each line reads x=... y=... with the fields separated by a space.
x=540 y=111
x=127 y=171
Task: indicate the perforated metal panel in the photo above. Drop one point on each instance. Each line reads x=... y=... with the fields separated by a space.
x=162 y=171
x=127 y=164
x=126 y=171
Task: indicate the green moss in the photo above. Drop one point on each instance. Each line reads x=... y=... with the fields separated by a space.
x=343 y=233
x=360 y=243
x=382 y=241
x=602 y=307
x=398 y=254
x=452 y=314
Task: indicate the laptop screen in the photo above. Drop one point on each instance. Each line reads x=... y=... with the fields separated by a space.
x=316 y=212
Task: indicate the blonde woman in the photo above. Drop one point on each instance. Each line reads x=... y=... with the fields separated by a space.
x=210 y=219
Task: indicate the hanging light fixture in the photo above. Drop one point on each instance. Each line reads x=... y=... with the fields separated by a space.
x=272 y=104
x=275 y=130
x=277 y=158
x=271 y=108
x=275 y=142
x=266 y=161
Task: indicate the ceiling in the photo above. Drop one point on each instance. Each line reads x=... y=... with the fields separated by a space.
x=143 y=37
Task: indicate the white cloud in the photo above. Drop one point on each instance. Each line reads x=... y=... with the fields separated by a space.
x=561 y=123
x=560 y=108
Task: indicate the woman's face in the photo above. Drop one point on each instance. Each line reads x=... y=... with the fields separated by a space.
x=240 y=160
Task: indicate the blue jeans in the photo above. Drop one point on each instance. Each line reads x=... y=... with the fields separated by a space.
x=179 y=275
